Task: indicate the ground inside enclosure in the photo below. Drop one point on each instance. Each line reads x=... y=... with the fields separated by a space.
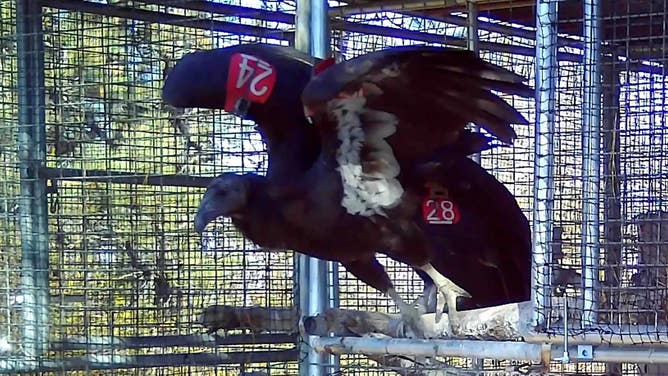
x=128 y=277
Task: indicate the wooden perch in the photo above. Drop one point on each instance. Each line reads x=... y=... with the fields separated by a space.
x=506 y=322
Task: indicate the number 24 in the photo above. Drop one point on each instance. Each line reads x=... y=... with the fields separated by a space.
x=247 y=71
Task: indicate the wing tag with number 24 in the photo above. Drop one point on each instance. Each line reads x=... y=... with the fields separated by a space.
x=250 y=78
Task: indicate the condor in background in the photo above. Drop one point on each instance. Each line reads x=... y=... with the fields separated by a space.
x=369 y=156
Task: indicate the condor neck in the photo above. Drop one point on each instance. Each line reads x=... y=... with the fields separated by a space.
x=292 y=152
x=261 y=222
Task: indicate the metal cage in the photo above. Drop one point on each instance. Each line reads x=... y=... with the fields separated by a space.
x=101 y=271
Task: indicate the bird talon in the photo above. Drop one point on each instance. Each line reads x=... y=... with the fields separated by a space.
x=427 y=302
x=413 y=321
x=412 y=318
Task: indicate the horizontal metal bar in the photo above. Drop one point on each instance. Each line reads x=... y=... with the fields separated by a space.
x=227 y=10
x=122 y=177
x=165 y=18
x=117 y=361
x=495 y=28
x=230 y=27
x=485 y=349
x=438 y=38
x=461 y=42
x=417 y=5
x=628 y=354
x=194 y=340
x=268 y=15
x=608 y=334
x=395 y=6
x=171 y=19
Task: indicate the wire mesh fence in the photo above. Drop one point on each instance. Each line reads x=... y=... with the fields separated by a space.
x=123 y=175
x=618 y=198
x=127 y=276
x=10 y=187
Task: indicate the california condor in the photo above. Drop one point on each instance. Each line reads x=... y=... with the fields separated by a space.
x=352 y=183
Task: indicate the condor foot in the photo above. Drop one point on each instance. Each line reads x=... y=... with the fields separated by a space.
x=411 y=315
x=427 y=302
x=446 y=293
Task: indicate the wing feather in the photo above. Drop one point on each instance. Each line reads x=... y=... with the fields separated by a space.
x=436 y=80
x=417 y=99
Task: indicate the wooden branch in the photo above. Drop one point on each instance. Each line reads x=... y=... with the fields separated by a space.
x=506 y=322
x=255 y=319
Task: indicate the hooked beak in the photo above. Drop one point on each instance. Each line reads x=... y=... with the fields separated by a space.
x=206 y=213
x=308 y=113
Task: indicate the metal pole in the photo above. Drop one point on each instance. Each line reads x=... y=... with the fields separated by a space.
x=543 y=186
x=31 y=144
x=591 y=159
x=472 y=27
x=318 y=279
x=472 y=43
x=501 y=350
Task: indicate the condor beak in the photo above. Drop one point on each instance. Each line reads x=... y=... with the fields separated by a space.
x=308 y=113
x=207 y=212
x=203 y=217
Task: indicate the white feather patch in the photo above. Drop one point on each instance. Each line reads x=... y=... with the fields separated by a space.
x=369 y=181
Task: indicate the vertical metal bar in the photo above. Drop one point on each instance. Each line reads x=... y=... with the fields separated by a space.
x=473 y=38
x=591 y=159
x=610 y=123
x=472 y=43
x=543 y=186
x=31 y=144
x=302 y=42
x=327 y=272
x=319 y=279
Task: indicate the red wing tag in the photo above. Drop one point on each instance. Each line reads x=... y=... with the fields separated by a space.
x=248 y=77
x=322 y=65
x=439 y=209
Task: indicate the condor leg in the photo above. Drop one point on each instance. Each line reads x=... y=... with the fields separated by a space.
x=371 y=272
x=448 y=291
x=427 y=301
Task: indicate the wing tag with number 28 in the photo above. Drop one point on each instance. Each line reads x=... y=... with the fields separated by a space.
x=439 y=209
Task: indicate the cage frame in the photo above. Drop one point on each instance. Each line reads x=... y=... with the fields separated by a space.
x=34 y=176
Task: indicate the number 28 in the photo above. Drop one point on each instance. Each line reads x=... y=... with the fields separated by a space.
x=440 y=212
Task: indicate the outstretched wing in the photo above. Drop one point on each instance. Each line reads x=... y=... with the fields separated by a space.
x=205 y=78
x=260 y=82
x=387 y=109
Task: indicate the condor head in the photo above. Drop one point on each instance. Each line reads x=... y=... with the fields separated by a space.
x=226 y=196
